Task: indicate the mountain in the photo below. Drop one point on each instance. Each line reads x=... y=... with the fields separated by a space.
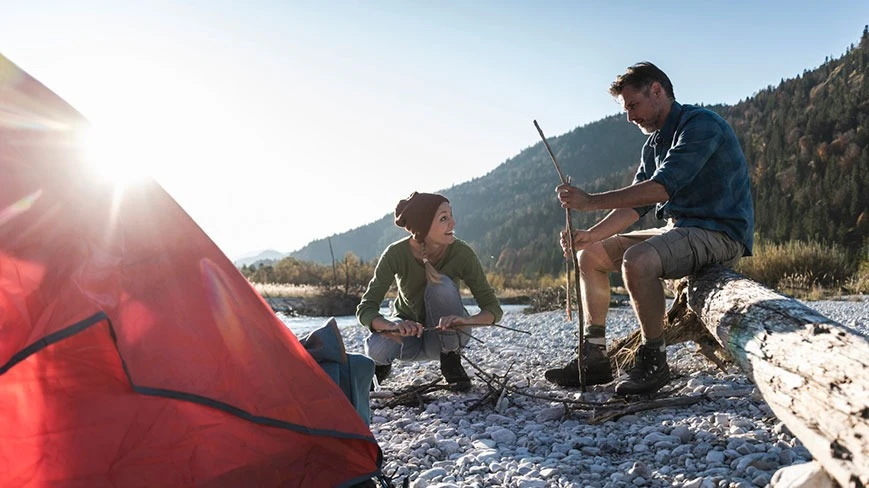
x=268 y=256
x=511 y=207
x=806 y=140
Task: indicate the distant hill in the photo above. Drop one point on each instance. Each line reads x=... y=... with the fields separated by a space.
x=509 y=211
x=806 y=140
x=265 y=257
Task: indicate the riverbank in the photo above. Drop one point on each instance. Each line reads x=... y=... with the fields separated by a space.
x=337 y=305
x=731 y=439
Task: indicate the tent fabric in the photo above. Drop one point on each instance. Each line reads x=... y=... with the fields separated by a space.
x=132 y=351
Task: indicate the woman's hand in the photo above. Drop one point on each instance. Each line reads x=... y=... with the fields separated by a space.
x=408 y=328
x=450 y=321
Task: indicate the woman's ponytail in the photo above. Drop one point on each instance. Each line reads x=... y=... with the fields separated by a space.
x=431 y=274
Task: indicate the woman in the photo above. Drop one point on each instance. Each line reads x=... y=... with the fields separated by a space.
x=429 y=315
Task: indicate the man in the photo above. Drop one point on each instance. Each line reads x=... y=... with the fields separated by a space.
x=692 y=170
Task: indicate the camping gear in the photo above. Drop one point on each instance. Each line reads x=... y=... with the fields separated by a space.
x=353 y=372
x=132 y=351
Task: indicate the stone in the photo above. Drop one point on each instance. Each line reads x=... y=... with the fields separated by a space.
x=806 y=475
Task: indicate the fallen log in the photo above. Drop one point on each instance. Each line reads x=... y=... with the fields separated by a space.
x=812 y=371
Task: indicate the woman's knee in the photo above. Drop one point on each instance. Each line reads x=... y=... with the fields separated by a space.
x=444 y=290
x=442 y=299
x=454 y=339
x=382 y=348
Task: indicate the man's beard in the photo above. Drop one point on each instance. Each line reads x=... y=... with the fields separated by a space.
x=645 y=130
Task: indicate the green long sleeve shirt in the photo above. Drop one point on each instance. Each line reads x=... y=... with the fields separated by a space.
x=398 y=265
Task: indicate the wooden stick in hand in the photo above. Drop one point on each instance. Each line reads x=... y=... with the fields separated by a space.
x=569 y=226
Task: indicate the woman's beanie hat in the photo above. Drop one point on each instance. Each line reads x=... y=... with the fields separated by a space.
x=416 y=213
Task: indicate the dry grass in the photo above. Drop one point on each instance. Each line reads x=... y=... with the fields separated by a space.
x=285 y=290
x=811 y=271
x=807 y=270
x=859 y=283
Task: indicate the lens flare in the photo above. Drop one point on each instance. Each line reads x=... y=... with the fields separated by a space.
x=113 y=156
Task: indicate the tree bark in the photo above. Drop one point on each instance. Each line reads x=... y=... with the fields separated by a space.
x=812 y=371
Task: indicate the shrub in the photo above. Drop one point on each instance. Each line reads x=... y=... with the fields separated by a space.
x=796 y=266
x=859 y=283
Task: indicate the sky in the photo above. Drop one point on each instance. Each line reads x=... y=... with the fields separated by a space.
x=274 y=123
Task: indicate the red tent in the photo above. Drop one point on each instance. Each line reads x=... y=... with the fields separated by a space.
x=132 y=352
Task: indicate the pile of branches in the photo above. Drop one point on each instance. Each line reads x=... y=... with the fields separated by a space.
x=500 y=386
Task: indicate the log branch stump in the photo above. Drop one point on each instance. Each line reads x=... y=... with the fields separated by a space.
x=812 y=371
x=681 y=325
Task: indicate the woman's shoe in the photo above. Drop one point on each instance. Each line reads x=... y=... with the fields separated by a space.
x=454 y=373
x=381 y=371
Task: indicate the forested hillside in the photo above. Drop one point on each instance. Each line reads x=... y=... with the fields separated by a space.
x=806 y=142
x=510 y=215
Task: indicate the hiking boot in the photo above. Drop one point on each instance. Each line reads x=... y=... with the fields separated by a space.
x=454 y=373
x=597 y=368
x=648 y=375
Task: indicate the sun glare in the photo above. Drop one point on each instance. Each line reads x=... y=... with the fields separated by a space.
x=114 y=156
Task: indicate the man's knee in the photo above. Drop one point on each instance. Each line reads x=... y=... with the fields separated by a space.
x=595 y=258
x=641 y=261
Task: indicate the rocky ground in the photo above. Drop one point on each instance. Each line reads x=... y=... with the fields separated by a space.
x=731 y=438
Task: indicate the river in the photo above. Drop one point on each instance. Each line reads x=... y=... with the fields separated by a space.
x=302 y=325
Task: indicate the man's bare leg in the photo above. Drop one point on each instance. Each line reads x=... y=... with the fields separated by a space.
x=594 y=269
x=642 y=270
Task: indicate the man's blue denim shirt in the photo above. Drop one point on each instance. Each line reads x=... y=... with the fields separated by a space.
x=697 y=157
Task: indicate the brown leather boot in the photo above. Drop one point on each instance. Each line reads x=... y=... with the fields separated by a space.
x=648 y=375
x=598 y=370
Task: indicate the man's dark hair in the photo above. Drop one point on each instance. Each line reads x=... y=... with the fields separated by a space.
x=640 y=77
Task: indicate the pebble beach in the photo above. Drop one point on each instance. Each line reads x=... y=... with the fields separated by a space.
x=531 y=439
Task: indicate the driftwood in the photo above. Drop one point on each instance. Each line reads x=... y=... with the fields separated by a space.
x=410 y=396
x=812 y=371
x=612 y=409
x=681 y=325
x=614 y=412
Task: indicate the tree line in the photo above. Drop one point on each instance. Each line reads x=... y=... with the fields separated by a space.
x=806 y=141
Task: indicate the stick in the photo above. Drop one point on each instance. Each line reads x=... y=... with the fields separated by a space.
x=614 y=413
x=469 y=325
x=581 y=325
x=568 y=227
x=497 y=325
x=469 y=335
x=567 y=223
x=551 y=154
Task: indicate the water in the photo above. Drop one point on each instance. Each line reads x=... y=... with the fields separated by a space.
x=302 y=325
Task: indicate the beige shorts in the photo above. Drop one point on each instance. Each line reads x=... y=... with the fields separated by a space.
x=683 y=250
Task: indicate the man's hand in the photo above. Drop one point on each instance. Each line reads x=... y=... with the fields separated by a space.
x=581 y=240
x=573 y=197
